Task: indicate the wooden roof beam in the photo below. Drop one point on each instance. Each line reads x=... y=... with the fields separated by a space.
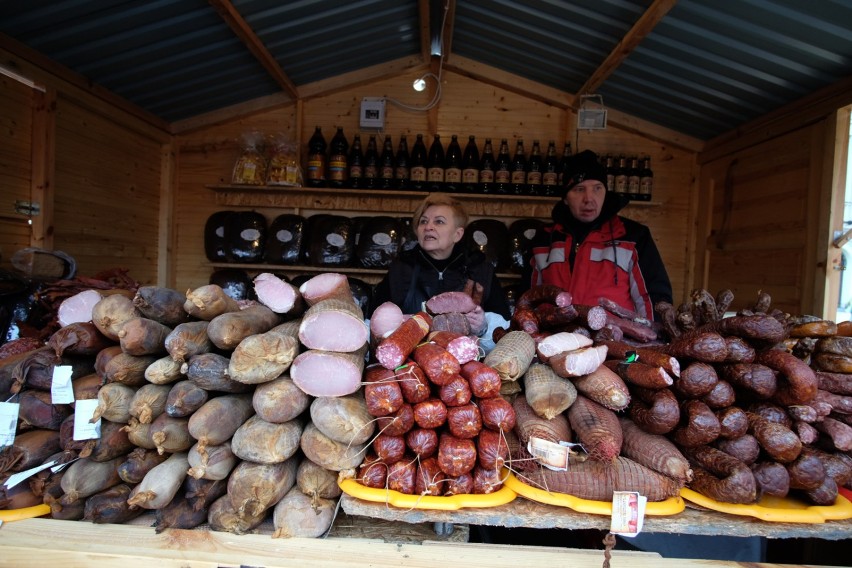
x=241 y=28
x=643 y=26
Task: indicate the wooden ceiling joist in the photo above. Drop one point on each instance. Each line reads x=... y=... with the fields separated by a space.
x=643 y=26
x=247 y=35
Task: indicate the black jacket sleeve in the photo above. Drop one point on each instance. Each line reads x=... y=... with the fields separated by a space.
x=653 y=270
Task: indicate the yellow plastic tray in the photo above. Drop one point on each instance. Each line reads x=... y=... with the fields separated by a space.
x=671 y=506
x=403 y=501
x=777 y=510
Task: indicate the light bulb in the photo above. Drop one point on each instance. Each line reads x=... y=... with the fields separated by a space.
x=419 y=84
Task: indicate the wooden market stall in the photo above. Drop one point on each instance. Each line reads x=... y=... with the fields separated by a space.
x=155 y=185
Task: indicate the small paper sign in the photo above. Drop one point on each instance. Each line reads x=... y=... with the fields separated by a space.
x=16 y=478
x=61 y=391
x=83 y=412
x=549 y=454
x=8 y=422
x=628 y=513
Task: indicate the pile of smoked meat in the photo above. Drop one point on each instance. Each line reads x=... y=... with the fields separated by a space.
x=234 y=413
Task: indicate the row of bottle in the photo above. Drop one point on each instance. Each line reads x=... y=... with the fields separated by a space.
x=454 y=170
x=630 y=176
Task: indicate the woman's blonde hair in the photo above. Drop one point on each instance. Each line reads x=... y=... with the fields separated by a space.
x=459 y=214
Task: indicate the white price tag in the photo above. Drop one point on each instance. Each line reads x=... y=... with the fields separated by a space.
x=551 y=455
x=16 y=478
x=628 y=513
x=83 y=412
x=8 y=422
x=60 y=386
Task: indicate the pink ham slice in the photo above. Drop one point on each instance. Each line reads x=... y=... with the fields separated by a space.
x=279 y=296
x=324 y=287
x=334 y=325
x=327 y=373
x=384 y=321
x=448 y=302
x=78 y=308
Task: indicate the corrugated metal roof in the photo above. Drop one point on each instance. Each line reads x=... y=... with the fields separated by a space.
x=704 y=68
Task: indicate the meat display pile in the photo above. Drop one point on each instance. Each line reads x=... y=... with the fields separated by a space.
x=234 y=413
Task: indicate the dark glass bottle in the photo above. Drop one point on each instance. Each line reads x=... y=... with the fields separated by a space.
x=386 y=165
x=634 y=175
x=316 y=159
x=371 y=164
x=564 y=161
x=435 y=165
x=502 y=169
x=534 y=170
x=356 y=164
x=338 y=167
x=621 y=175
x=610 y=173
x=550 y=172
x=418 y=164
x=470 y=166
x=486 y=168
x=453 y=166
x=402 y=173
x=646 y=183
x=519 y=170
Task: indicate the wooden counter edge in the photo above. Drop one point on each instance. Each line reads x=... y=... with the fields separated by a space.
x=47 y=542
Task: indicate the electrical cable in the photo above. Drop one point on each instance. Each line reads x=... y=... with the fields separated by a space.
x=437 y=95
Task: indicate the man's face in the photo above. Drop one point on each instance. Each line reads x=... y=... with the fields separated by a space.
x=585 y=200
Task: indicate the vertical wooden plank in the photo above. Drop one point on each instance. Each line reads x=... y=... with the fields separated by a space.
x=43 y=166
x=168 y=184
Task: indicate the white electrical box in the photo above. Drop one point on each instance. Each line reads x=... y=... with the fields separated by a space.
x=372 y=113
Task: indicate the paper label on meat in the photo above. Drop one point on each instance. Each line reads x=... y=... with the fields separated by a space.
x=284 y=236
x=628 y=513
x=8 y=422
x=16 y=478
x=83 y=412
x=382 y=239
x=249 y=234
x=61 y=391
x=220 y=231
x=480 y=238
x=550 y=454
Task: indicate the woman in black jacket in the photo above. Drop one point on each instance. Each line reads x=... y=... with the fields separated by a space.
x=440 y=262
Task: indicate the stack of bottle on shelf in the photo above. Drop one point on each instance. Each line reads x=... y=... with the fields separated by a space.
x=459 y=171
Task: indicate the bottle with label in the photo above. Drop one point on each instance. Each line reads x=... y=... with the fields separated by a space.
x=534 y=170
x=633 y=177
x=610 y=173
x=402 y=175
x=356 y=164
x=371 y=164
x=338 y=168
x=453 y=166
x=387 y=165
x=519 y=170
x=503 y=169
x=470 y=166
x=646 y=181
x=621 y=175
x=316 y=159
x=418 y=164
x=486 y=168
x=564 y=162
x=435 y=165
x=550 y=172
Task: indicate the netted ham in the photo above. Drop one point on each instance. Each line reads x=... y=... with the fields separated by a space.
x=324 y=287
x=334 y=325
x=328 y=373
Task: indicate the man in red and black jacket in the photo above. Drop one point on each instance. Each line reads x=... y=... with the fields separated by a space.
x=591 y=251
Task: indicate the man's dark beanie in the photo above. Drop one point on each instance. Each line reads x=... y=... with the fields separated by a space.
x=584 y=165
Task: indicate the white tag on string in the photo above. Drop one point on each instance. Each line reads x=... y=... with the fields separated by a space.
x=16 y=478
x=628 y=513
x=8 y=422
x=83 y=412
x=60 y=386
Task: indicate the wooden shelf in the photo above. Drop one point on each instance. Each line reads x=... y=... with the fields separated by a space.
x=382 y=200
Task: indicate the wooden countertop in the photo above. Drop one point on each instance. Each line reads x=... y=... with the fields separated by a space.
x=46 y=542
x=524 y=513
